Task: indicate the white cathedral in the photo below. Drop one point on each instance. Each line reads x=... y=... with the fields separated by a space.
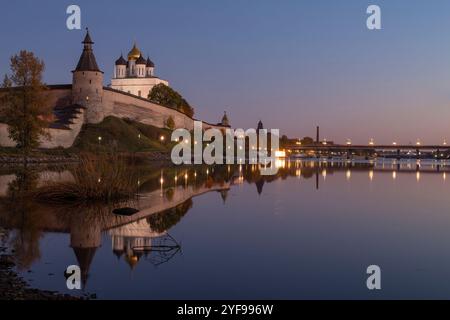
x=135 y=76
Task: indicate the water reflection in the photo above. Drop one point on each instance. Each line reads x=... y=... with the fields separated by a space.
x=165 y=197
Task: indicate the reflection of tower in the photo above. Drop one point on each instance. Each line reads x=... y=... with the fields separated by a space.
x=85 y=238
x=84 y=258
x=260 y=185
x=224 y=195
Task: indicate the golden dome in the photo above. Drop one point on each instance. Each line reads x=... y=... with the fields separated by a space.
x=135 y=53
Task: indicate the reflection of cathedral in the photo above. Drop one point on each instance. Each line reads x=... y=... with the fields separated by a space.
x=133 y=240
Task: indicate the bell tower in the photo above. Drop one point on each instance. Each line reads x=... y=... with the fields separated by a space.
x=87 y=83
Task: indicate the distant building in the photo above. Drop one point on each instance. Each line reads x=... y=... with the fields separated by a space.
x=136 y=75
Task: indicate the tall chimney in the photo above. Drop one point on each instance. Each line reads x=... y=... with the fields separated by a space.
x=318 y=135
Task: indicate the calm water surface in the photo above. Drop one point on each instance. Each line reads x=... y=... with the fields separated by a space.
x=228 y=233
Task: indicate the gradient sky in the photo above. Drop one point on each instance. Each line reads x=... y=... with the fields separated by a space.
x=293 y=64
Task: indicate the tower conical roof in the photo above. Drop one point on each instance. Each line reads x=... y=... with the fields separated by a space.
x=87 y=60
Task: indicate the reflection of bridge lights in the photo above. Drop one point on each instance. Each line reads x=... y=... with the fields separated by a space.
x=444 y=176
x=348 y=174
x=207 y=171
x=324 y=173
x=371 y=175
x=161 y=181
x=418 y=175
x=298 y=173
x=394 y=175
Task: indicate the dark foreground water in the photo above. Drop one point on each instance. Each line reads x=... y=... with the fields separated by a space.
x=228 y=233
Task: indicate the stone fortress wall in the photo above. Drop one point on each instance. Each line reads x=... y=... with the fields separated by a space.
x=109 y=103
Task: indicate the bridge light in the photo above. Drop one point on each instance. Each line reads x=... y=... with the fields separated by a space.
x=445 y=142
x=418 y=143
x=371 y=142
x=348 y=174
x=349 y=142
x=394 y=143
x=324 y=142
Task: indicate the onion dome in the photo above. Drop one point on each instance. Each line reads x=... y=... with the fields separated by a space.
x=150 y=63
x=121 y=61
x=135 y=53
x=141 y=60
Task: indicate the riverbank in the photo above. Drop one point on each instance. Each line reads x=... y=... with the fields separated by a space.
x=41 y=158
x=13 y=287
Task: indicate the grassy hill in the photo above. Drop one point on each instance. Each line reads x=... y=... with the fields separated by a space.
x=122 y=135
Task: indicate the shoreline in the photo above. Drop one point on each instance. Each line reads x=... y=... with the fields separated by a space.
x=14 y=287
x=71 y=158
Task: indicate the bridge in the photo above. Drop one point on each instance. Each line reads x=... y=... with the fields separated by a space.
x=440 y=151
x=325 y=147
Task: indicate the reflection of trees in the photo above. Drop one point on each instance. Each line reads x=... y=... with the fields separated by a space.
x=166 y=219
x=23 y=211
x=163 y=249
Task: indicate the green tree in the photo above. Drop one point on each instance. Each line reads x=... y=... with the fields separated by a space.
x=24 y=104
x=166 y=96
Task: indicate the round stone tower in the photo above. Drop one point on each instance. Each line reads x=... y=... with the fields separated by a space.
x=87 y=83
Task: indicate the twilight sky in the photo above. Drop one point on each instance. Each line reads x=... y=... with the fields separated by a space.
x=294 y=64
